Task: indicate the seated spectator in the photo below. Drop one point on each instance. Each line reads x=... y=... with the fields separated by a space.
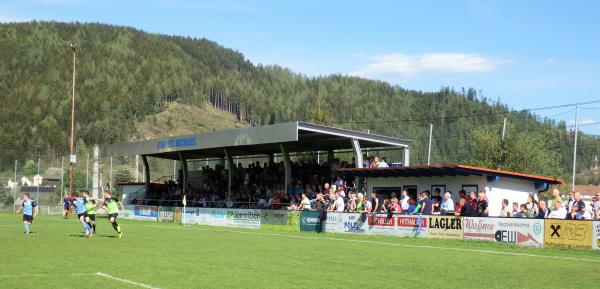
x=505 y=212
x=447 y=207
x=383 y=163
x=385 y=207
x=523 y=212
x=543 y=212
x=559 y=211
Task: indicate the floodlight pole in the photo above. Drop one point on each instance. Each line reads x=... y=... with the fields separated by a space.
x=71 y=166
x=15 y=188
x=429 y=146
x=575 y=147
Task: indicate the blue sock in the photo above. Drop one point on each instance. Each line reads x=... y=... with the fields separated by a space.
x=86 y=227
x=26 y=228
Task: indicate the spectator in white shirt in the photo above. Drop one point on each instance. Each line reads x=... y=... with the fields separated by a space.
x=339 y=202
x=383 y=163
x=405 y=199
x=559 y=211
x=447 y=207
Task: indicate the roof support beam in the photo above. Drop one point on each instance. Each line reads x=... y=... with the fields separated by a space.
x=357 y=153
x=406 y=158
x=184 y=174
x=146 y=171
x=230 y=168
x=288 y=166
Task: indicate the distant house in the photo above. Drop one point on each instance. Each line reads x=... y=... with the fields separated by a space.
x=498 y=185
x=587 y=191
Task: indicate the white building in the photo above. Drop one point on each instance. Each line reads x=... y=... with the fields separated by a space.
x=498 y=185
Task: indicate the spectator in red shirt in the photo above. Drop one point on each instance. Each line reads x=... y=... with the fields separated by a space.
x=473 y=200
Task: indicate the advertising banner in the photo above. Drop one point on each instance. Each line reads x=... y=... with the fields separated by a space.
x=354 y=223
x=309 y=221
x=198 y=216
x=568 y=233
x=524 y=232
x=166 y=214
x=596 y=243
x=281 y=220
x=241 y=218
x=382 y=225
x=144 y=213
x=333 y=222
x=445 y=227
x=412 y=226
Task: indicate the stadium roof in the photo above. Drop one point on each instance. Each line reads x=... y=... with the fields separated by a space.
x=261 y=140
x=439 y=171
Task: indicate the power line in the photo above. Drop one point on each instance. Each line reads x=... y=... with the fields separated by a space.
x=466 y=115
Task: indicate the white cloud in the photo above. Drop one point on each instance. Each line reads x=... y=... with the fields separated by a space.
x=550 y=61
x=399 y=65
x=584 y=121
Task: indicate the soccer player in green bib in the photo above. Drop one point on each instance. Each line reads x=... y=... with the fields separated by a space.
x=112 y=208
x=90 y=212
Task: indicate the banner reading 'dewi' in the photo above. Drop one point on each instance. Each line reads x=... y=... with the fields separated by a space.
x=526 y=232
x=568 y=233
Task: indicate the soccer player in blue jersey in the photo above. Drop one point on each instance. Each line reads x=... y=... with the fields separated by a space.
x=80 y=209
x=28 y=207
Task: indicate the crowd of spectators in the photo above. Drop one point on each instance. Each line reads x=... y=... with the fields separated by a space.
x=315 y=188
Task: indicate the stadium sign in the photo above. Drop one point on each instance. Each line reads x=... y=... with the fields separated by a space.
x=445 y=227
x=381 y=225
x=354 y=223
x=525 y=232
x=176 y=143
x=568 y=233
x=309 y=221
x=412 y=226
x=144 y=213
x=333 y=222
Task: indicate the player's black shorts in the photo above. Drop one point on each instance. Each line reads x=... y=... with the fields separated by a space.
x=79 y=215
x=28 y=218
x=91 y=216
x=115 y=215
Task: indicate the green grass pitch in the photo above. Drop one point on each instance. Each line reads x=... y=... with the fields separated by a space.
x=161 y=255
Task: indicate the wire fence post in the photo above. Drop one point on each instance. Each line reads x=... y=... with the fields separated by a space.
x=87 y=171
x=62 y=177
x=37 y=197
x=110 y=174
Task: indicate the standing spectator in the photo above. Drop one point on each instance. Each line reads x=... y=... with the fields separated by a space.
x=319 y=204
x=426 y=207
x=447 y=204
x=556 y=197
x=482 y=205
x=383 y=163
x=462 y=195
x=304 y=203
x=351 y=203
x=375 y=203
x=515 y=209
x=395 y=208
x=578 y=202
x=570 y=202
x=543 y=211
x=436 y=195
x=410 y=209
x=505 y=212
x=366 y=206
x=366 y=162
x=559 y=211
x=473 y=200
x=339 y=202
x=405 y=198
x=465 y=209
x=532 y=206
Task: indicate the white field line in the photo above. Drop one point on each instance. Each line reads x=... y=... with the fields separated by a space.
x=85 y=274
x=393 y=244
x=125 y=280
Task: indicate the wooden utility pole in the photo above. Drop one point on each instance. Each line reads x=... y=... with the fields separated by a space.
x=72 y=159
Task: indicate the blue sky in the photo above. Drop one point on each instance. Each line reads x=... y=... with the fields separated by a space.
x=526 y=53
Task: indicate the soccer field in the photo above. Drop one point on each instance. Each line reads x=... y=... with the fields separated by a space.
x=161 y=255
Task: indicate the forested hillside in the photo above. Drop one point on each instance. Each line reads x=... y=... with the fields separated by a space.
x=125 y=75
